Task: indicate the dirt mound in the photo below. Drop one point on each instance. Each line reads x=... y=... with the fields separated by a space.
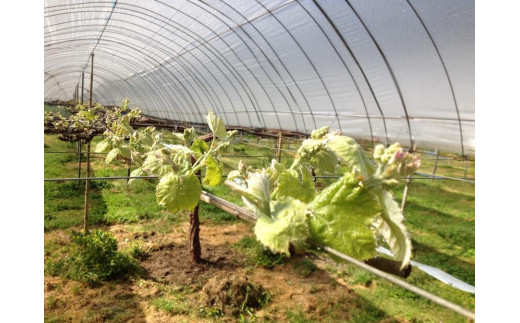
x=234 y=295
x=170 y=263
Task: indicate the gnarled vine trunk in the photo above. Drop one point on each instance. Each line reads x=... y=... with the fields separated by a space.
x=194 y=241
x=194 y=236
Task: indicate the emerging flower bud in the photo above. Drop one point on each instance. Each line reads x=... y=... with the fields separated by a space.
x=242 y=168
x=379 y=150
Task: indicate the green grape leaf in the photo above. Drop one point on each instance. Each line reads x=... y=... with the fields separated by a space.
x=320 y=133
x=178 y=192
x=200 y=146
x=216 y=125
x=188 y=136
x=154 y=164
x=125 y=152
x=316 y=154
x=392 y=228
x=273 y=172
x=136 y=172
x=290 y=184
x=180 y=150
x=341 y=216
x=213 y=172
x=137 y=158
x=345 y=227
x=346 y=188
x=256 y=195
x=324 y=160
x=103 y=145
x=234 y=174
x=124 y=129
x=351 y=153
x=112 y=155
x=287 y=225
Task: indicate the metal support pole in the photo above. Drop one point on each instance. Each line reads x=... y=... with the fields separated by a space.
x=82 y=83
x=91 y=79
x=435 y=165
x=87 y=182
x=465 y=166
x=79 y=160
x=77 y=94
x=405 y=193
x=279 y=153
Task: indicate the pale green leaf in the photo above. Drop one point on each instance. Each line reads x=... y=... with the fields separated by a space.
x=350 y=153
x=178 y=192
x=216 y=125
x=112 y=155
x=234 y=174
x=124 y=128
x=135 y=173
x=125 y=152
x=319 y=133
x=155 y=163
x=152 y=162
x=290 y=184
x=213 y=172
x=189 y=136
x=341 y=218
x=200 y=146
x=286 y=225
x=346 y=188
x=180 y=150
x=137 y=158
x=103 y=145
x=314 y=153
x=392 y=228
x=256 y=194
x=274 y=171
x=344 y=227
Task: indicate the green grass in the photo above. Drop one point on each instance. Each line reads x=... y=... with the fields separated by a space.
x=259 y=255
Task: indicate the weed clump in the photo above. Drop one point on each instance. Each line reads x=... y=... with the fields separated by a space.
x=304 y=267
x=234 y=296
x=94 y=258
x=258 y=254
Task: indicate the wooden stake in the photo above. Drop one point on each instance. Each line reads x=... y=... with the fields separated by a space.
x=405 y=193
x=87 y=184
x=79 y=161
x=435 y=165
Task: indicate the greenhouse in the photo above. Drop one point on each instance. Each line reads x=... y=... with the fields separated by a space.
x=251 y=161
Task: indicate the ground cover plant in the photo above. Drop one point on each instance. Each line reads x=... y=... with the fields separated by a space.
x=439 y=216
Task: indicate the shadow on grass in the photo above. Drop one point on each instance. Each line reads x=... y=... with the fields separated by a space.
x=454 y=266
x=452 y=229
x=64 y=205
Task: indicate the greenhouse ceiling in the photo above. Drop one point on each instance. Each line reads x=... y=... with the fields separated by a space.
x=379 y=70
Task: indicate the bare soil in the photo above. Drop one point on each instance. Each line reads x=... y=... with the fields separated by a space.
x=195 y=290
